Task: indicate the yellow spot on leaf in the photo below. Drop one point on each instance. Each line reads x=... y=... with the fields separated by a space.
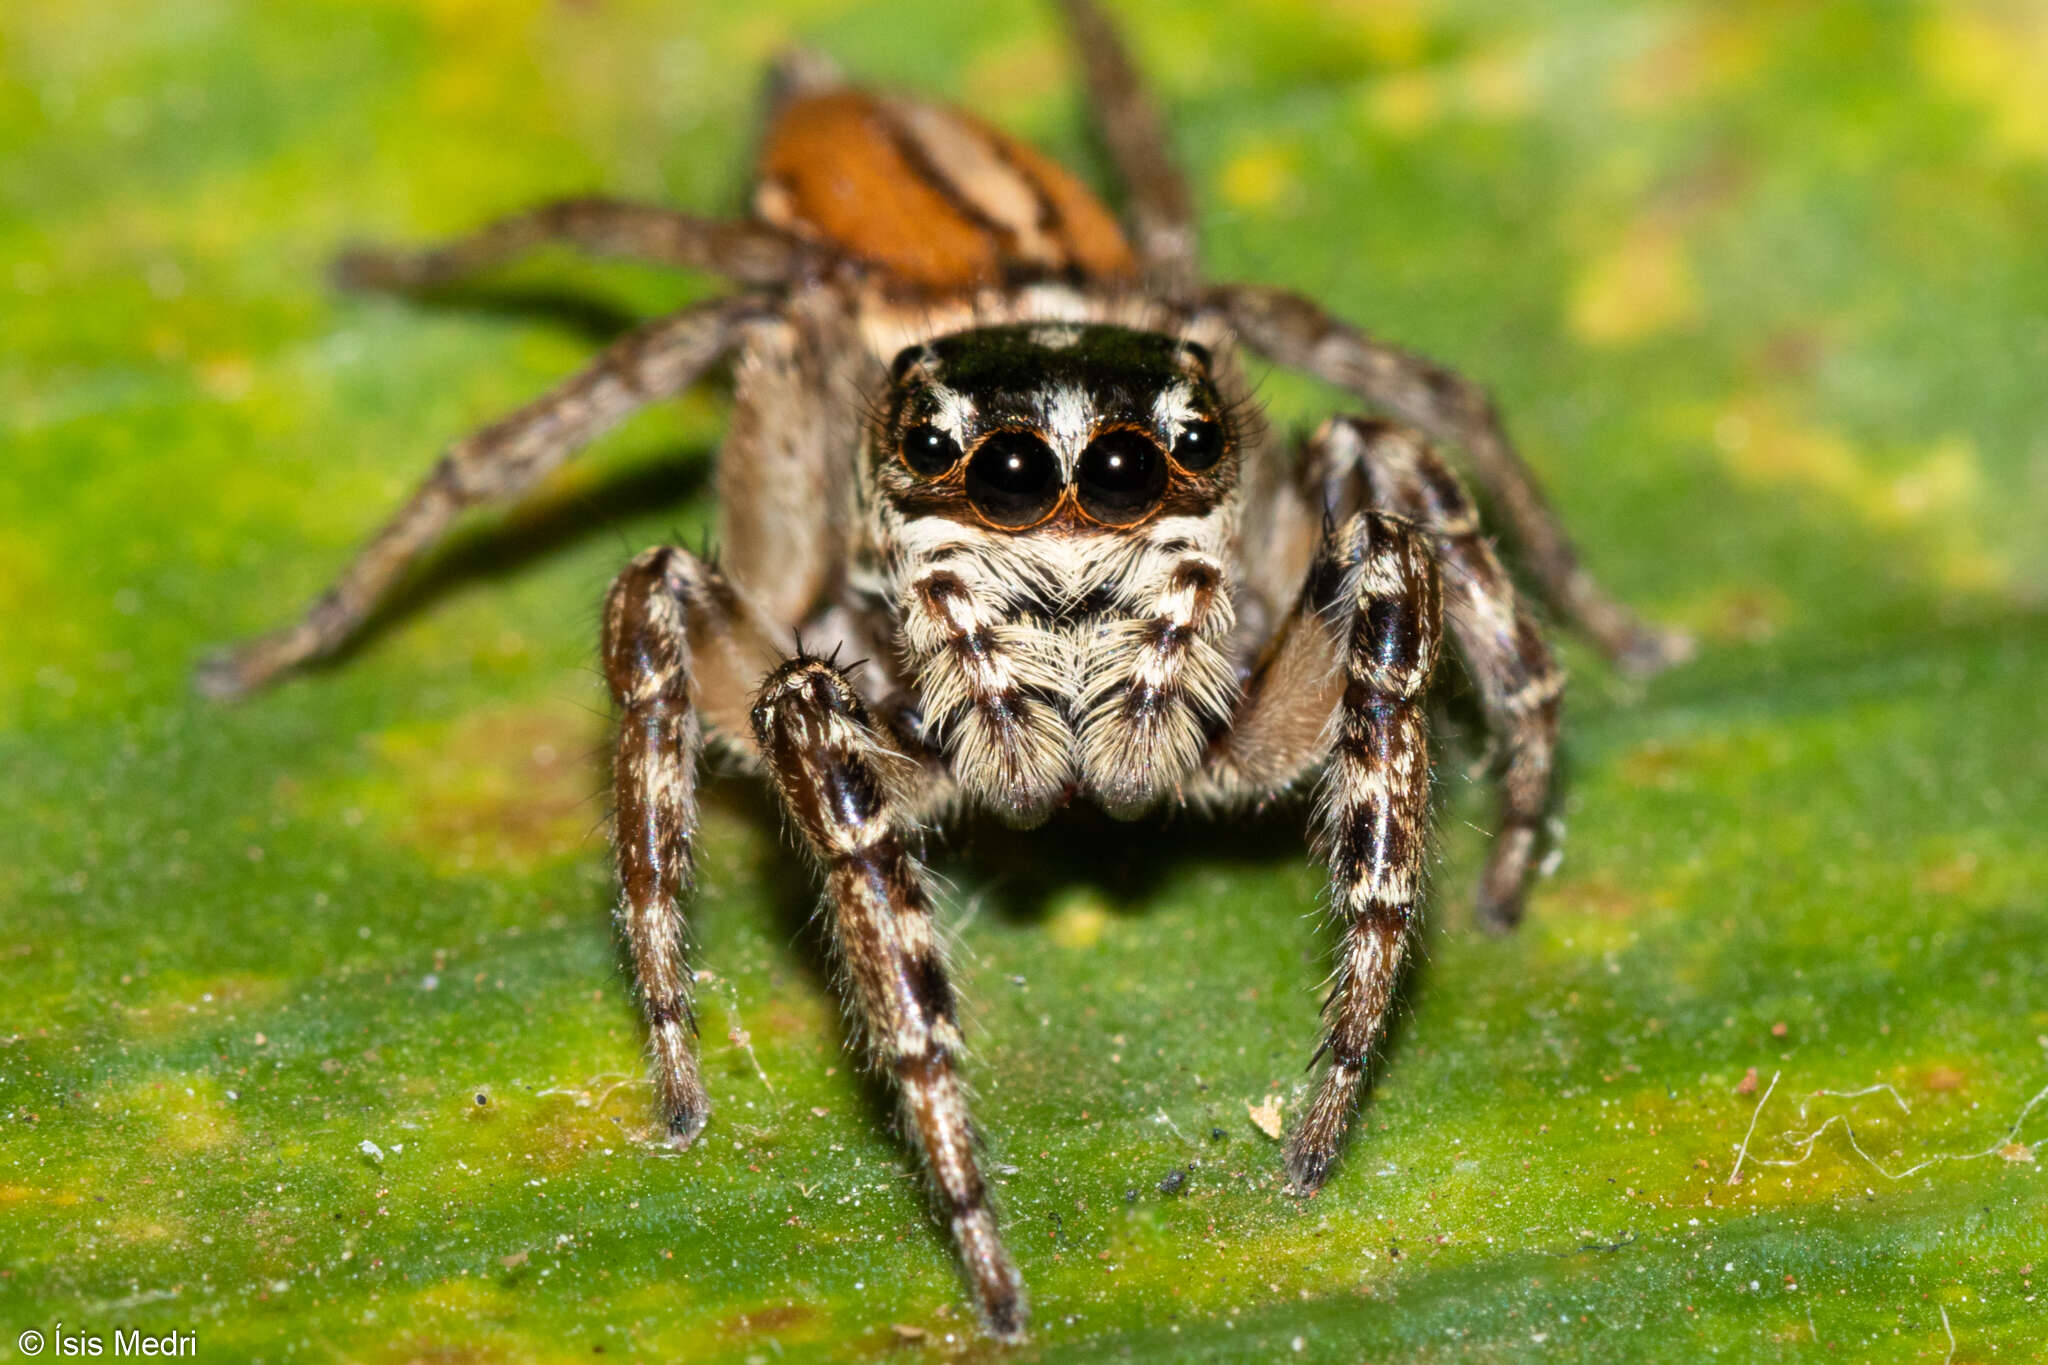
x=1996 y=57
x=1488 y=86
x=1496 y=85
x=1079 y=922
x=1405 y=102
x=189 y=1111
x=1259 y=177
x=1937 y=493
x=507 y=789
x=1641 y=287
x=1719 y=47
x=1392 y=32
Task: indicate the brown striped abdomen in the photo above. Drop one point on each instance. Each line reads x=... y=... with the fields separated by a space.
x=931 y=195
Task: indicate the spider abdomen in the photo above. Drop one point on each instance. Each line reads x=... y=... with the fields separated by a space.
x=930 y=195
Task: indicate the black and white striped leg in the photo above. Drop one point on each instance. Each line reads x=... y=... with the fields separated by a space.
x=1153 y=686
x=646 y=657
x=838 y=782
x=988 y=686
x=678 y=642
x=1374 y=810
x=1519 y=683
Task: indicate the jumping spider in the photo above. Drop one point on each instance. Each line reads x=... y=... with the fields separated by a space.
x=1077 y=564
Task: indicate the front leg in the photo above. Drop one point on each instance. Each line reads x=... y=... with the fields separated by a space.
x=987 y=680
x=1378 y=574
x=1153 y=685
x=678 y=640
x=838 y=782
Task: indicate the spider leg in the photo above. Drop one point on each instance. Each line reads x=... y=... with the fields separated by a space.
x=1447 y=406
x=1161 y=209
x=1155 y=683
x=1341 y=688
x=985 y=682
x=742 y=250
x=1519 y=683
x=1374 y=808
x=499 y=462
x=839 y=784
x=679 y=643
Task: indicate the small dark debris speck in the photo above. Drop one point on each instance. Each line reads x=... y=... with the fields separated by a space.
x=1217 y=1135
x=1176 y=1180
x=482 y=1099
x=1131 y=1195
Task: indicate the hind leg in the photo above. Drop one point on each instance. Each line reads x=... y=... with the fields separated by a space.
x=1299 y=334
x=495 y=464
x=1162 y=211
x=742 y=250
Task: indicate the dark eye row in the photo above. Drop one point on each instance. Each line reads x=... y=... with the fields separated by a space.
x=1014 y=478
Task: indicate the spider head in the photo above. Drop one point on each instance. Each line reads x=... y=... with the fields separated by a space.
x=1065 y=426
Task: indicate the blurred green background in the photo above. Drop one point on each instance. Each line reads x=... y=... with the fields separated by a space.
x=1764 y=291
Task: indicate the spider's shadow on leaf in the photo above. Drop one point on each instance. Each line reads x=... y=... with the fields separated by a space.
x=539 y=526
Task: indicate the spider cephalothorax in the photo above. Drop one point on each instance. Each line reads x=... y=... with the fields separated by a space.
x=1078 y=564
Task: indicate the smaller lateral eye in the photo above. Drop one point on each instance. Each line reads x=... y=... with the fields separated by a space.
x=1199 y=444
x=929 y=451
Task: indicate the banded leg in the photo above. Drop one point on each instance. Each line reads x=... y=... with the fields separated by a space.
x=743 y=250
x=1162 y=211
x=987 y=684
x=838 y=782
x=678 y=641
x=499 y=462
x=1374 y=810
x=1448 y=407
x=1519 y=683
x=1153 y=686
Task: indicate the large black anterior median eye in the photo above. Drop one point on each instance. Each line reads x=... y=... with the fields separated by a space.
x=929 y=451
x=1013 y=479
x=1122 y=473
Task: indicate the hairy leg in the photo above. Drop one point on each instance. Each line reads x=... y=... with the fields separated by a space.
x=1161 y=209
x=1299 y=334
x=839 y=784
x=679 y=644
x=743 y=250
x=1157 y=681
x=788 y=464
x=1374 y=811
x=1519 y=683
x=986 y=679
x=498 y=463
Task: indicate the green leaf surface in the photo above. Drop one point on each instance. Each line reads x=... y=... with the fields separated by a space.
x=314 y=1039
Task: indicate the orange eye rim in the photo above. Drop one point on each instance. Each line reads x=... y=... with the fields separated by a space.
x=1152 y=505
x=966 y=466
x=1068 y=503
